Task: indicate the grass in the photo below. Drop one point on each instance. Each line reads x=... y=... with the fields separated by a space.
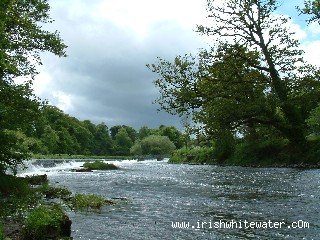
x=55 y=192
x=36 y=179
x=89 y=202
x=99 y=165
x=44 y=220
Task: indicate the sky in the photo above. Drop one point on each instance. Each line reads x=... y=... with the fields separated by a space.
x=105 y=78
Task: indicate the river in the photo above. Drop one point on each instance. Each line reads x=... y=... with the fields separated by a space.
x=204 y=199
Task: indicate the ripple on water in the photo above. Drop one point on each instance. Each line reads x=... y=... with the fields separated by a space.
x=160 y=193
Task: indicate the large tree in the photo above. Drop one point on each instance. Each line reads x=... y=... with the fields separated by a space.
x=22 y=39
x=255 y=76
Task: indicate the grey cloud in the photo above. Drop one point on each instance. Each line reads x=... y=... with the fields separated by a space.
x=105 y=69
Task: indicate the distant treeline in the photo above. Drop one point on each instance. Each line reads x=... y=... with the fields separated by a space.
x=55 y=132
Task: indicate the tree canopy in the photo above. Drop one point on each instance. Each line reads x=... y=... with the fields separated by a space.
x=253 y=83
x=22 y=39
x=312 y=8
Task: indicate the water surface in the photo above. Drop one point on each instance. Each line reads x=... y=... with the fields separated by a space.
x=159 y=193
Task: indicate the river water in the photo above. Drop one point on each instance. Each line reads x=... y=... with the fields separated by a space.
x=285 y=201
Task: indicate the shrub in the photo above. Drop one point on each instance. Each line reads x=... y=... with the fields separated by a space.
x=99 y=165
x=12 y=185
x=37 y=179
x=55 y=192
x=261 y=153
x=46 y=222
x=198 y=155
x=89 y=202
x=153 y=145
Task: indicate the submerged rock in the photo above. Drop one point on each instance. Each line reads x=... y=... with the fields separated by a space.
x=36 y=179
x=81 y=170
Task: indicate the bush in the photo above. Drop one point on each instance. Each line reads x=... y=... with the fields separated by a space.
x=199 y=155
x=55 y=192
x=153 y=145
x=89 y=201
x=99 y=165
x=37 y=179
x=224 y=147
x=46 y=222
x=12 y=185
x=261 y=153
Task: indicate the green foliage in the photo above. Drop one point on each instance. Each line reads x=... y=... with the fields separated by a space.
x=42 y=221
x=89 y=202
x=36 y=179
x=132 y=133
x=54 y=192
x=18 y=109
x=153 y=145
x=225 y=146
x=145 y=132
x=22 y=39
x=122 y=143
x=262 y=153
x=312 y=8
x=197 y=155
x=173 y=134
x=314 y=121
x=99 y=165
x=136 y=149
x=2 y=236
x=234 y=88
x=11 y=185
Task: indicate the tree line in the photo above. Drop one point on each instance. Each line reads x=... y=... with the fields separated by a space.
x=55 y=132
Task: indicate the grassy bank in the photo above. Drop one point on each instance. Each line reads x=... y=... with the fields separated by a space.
x=269 y=153
x=28 y=212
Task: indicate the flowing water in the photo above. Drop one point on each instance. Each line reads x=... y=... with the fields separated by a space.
x=205 y=197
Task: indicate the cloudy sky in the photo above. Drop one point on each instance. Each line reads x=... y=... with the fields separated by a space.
x=104 y=77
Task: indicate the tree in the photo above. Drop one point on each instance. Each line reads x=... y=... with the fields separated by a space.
x=145 y=132
x=173 y=134
x=248 y=82
x=153 y=145
x=314 y=121
x=312 y=8
x=18 y=108
x=122 y=143
x=131 y=131
x=22 y=38
x=103 y=141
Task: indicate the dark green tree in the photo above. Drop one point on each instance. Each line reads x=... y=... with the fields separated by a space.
x=103 y=141
x=22 y=39
x=146 y=131
x=234 y=89
x=131 y=131
x=122 y=143
x=173 y=134
x=155 y=145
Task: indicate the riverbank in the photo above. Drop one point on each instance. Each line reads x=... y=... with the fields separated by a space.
x=31 y=208
x=269 y=158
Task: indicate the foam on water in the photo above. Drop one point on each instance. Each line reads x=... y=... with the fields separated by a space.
x=33 y=167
